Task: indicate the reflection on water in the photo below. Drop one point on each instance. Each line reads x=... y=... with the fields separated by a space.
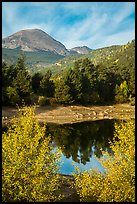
x=81 y=142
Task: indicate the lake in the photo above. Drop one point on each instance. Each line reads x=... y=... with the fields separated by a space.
x=81 y=143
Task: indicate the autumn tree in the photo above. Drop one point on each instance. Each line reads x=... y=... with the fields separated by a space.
x=122 y=92
x=29 y=165
x=117 y=184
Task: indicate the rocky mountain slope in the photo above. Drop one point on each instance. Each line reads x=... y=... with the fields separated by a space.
x=81 y=50
x=32 y=40
x=40 y=49
x=43 y=52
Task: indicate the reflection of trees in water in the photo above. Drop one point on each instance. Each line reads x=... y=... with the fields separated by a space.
x=77 y=140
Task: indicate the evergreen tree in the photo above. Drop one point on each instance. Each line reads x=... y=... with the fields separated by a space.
x=22 y=81
x=62 y=92
x=47 y=85
x=35 y=82
x=73 y=79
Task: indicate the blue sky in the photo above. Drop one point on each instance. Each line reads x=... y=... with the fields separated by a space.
x=94 y=24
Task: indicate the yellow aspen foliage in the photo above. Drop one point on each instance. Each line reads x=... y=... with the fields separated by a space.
x=117 y=184
x=29 y=165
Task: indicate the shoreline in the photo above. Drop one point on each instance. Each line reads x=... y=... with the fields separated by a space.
x=74 y=113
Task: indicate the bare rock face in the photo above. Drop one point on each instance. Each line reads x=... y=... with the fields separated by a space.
x=81 y=50
x=34 y=40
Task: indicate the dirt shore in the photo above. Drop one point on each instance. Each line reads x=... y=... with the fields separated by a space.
x=74 y=114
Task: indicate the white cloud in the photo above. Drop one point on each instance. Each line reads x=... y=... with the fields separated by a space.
x=118 y=38
x=100 y=26
x=103 y=29
x=123 y=12
x=13 y=22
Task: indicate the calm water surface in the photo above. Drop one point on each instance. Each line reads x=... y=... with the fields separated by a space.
x=81 y=142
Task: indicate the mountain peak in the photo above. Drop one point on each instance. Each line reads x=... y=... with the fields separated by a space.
x=31 y=30
x=81 y=50
x=34 y=40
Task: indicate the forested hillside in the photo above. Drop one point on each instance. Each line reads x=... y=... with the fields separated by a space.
x=34 y=60
x=114 y=56
x=117 y=54
x=104 y=76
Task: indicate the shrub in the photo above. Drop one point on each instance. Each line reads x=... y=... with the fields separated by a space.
x=12 y=95
x=53 y=101
x=117 y=184
x=42 y=101
x=29 y=166
x=34 y=98
x=122 y=92
x=95 y=98
x=132 y=101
